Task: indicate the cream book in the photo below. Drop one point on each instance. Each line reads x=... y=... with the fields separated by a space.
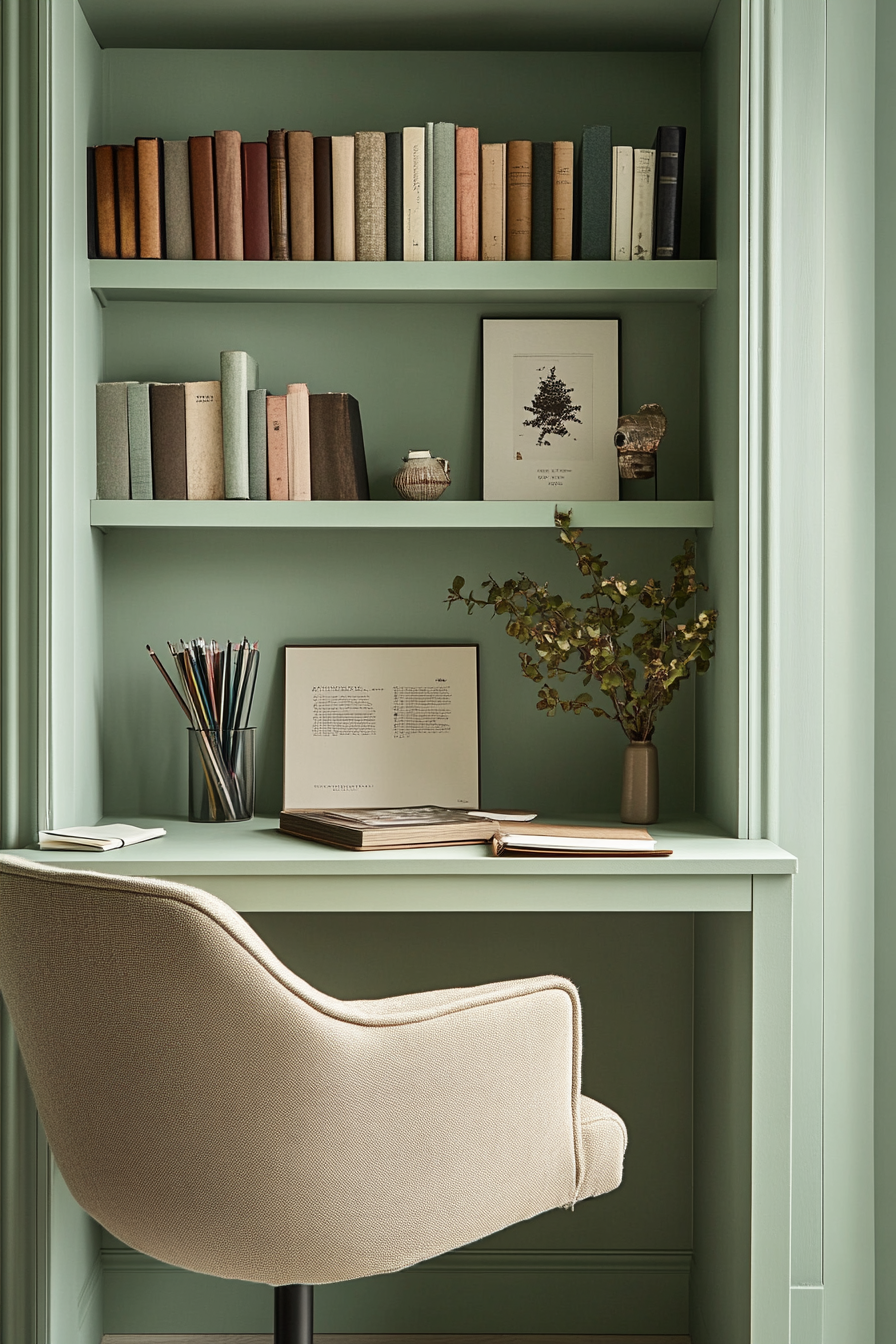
x=298 y=441
x=205 y=440
x=493 y=177
x=343 y=150
x=621 y=216
x=413 y=192
x=642 y=205
x=97 y=838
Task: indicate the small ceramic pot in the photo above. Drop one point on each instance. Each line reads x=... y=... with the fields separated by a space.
x=640 y=784
x=422 y=477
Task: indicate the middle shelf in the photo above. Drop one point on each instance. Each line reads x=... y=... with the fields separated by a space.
x=395 y=513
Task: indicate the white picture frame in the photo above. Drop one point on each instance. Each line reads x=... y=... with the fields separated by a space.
x=384 y=725
x=550 y=406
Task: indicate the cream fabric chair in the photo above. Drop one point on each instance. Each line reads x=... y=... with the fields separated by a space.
x=213 y=1110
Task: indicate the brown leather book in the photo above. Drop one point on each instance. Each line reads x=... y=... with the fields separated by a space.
x=562 y=248
x=300 y=177
x=466 y=160
x=202 y=192
x=277 y=176
x=370 y=195
x=106 y=203
x=167 y=422
x=126 y=192
x=323 y=199
x=149 y=196
x=256 y=208
x=338 y=465
x=493 y=202
x=229 y=176
x=278 y=460
x=519 y=200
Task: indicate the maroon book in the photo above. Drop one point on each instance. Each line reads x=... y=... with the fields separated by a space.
x=202 y=192
x=256 y=208
x=323 y=198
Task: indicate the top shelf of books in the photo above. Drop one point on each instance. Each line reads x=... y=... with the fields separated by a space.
x=119 y=281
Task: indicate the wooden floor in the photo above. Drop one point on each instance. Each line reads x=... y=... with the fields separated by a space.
x=404 y=1339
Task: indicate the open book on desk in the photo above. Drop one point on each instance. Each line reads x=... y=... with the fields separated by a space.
x=397 y=827
x=540 y=839
x=96 y=839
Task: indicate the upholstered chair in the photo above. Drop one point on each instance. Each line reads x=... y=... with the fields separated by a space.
x=213 y=1110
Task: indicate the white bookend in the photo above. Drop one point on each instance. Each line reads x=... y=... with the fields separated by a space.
x=239 y=375
x=621 y=216
x=414 y=192
x=642 y=205
x=205 y=440
x=493 y=178
x=298 y=441
x=343 y=149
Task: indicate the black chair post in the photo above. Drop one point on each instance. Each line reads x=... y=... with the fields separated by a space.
x=294 y=1314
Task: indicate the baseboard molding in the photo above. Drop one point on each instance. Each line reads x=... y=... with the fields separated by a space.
x=469 y=1292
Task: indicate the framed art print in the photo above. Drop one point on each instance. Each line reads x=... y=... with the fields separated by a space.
x=393 y=725
x=550 y=393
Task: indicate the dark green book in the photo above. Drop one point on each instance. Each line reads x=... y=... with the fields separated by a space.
x=596 y=193
x=394 y=230
x=542 y=200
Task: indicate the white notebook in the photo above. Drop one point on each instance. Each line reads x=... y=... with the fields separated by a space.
x=97 y=838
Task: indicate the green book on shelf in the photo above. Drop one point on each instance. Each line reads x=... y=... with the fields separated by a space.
x=542 y=200
x=139 y=440
x=596 y=193
x=443 y=223
x=239 y=375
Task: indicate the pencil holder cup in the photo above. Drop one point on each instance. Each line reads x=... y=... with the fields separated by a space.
x=222 y=774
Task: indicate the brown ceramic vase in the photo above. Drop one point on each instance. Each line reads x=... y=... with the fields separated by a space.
x=640 y=784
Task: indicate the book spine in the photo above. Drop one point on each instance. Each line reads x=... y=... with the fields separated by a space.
x=256 y=208
x=343 y=151
x=338 y=466
x=519 y=200
x=258 y=443
x=642 y=205
x=300 y=175
x=178 y=215
x=596 y=206
x=394 y=192
x=494 y=202
x=169 y=443
x=623 y=182
x=561 y=249
x=414 y=192
x=370 y=195
x=126 y=190
x=202 y=197
x=204 y=440
x=239 y=374
x=298 y=441
x=466 y=142
x=229 y=175
x=92 y=229
x=428 y=193
x=278 y=196
x=323 y=199
x=106 y=201
x=443 y=178
x=278 y=463
x=139 y=441
x=112 y=444
x=150 y=207
x=669 y=146
x=542 y=200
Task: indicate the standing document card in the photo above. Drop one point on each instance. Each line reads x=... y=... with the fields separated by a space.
x=381 y=726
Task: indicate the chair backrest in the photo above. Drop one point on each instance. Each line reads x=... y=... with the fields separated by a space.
x=175 y=1063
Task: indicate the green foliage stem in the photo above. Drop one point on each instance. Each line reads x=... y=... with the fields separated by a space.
x=597 y=641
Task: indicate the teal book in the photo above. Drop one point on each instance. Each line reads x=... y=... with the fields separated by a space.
x=239 y=376
x=443 y=205
x=542 y=200
x=258 y=443
x=428 y=194
x=596 y=192
x=139 y=441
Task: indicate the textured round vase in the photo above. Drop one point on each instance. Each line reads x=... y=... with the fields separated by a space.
x=422 y=477
x=640 y=784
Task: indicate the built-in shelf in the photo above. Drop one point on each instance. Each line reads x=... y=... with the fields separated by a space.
x=394 y=513
x=404 y=282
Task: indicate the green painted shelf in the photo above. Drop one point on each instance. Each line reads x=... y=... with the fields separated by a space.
x=403 y=282
x=394 y=513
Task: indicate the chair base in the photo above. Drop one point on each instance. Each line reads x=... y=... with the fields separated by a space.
x=294 y=1314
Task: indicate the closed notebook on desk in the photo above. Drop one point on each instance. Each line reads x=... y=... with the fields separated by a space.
x=541 y=840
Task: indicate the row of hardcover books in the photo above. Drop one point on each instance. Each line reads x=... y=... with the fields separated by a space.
x=425 y=193
x=227 y=439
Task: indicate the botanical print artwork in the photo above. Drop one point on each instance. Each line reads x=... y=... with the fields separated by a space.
x=553 y=407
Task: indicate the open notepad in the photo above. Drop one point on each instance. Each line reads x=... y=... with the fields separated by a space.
x=96 y=838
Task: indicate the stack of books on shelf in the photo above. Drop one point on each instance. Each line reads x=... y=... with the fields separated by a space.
x=425 y=193
x=227 y=440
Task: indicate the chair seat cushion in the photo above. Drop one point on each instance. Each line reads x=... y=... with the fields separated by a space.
x=604 y=1140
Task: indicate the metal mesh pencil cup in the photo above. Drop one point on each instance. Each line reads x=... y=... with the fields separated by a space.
x=222 y=774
